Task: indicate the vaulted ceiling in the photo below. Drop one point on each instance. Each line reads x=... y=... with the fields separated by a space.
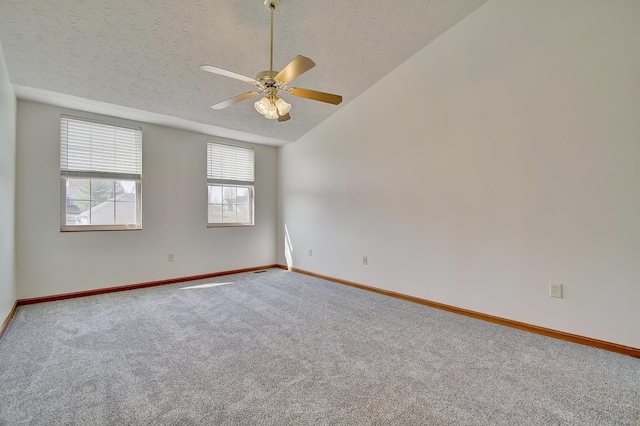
x=139 y=58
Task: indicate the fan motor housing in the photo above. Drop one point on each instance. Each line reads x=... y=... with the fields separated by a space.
x=267 y=79
x=266 y=75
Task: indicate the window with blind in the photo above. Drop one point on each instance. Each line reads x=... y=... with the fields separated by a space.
x=101 y=176
x=230 y=179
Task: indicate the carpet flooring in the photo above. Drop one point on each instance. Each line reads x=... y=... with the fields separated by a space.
x=280 y=348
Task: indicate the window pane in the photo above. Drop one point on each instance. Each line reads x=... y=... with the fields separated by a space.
x=229 y=215
x=229 y=194
x=242 y=213
x=77 y=199
x=215 y=194
x=128 y=186
x=243 y=195
x=230 y=204
x=92 y=202
x=126 y=209
x=215 y=213
x=102 y=213
x=102 y=190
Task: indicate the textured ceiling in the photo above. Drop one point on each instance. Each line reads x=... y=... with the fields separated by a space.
x=144 y=54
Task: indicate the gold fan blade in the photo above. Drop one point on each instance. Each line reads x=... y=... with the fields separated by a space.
x=216 y=70
x=298 y=66
x=235 y=100
x=285 y=117
x=316 y=96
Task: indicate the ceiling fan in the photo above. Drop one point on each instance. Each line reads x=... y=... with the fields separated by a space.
x=270 y=83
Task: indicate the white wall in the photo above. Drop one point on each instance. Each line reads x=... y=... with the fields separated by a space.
x=503 y=156
x=174 y=214
x=7 y=191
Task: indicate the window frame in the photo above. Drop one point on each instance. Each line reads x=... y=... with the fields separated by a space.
x=100 y=175
x=250 y=185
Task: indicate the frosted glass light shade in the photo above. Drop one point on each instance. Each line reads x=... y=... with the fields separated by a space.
x=272 y=112
x=283 y=106
x=262 y=105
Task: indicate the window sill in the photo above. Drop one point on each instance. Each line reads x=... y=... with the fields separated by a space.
x=227 y=225
x=81 y=228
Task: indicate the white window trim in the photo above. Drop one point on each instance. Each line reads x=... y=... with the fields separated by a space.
x=239 y=183
x=66 y=174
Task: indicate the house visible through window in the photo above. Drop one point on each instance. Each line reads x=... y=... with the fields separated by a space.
x=230 y=178
x=101 y=175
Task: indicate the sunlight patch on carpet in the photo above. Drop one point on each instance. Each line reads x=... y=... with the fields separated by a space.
x=204 y=286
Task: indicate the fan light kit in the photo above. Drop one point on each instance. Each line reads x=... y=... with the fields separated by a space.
x=270 y=83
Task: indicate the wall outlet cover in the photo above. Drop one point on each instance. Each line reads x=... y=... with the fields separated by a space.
x=555 y=290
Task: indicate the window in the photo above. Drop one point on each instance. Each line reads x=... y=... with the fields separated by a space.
x=101 y=176
x=230 y=171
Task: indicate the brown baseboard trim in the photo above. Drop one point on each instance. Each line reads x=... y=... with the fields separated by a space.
x=574 y=338
x=7 y=320
x=55 y=297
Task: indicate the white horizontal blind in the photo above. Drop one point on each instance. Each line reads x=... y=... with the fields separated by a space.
x=229 y=164
x=93 y=148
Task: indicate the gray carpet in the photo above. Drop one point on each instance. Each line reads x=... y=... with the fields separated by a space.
x=280 y=348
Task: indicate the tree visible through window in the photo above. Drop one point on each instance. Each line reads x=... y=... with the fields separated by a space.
x=230 y=180
x=101 y=173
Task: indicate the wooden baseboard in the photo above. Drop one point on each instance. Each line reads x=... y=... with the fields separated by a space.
x=574 y=338
x=7 y=320
x=55 y=297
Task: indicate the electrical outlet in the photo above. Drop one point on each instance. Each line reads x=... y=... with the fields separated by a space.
x=170 y=257
x=310 y=252
x=364 y=260
x=555 y=290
